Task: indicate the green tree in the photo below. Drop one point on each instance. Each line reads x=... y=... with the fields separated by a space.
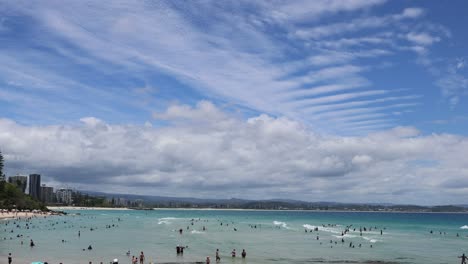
x=1 y=163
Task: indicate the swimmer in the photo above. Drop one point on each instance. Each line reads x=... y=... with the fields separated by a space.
x=142 y=257
x=244 y=253
x=207 y=260
x=90 y=247
x=217 y=256
x=463 y=258
x=233 y=253
x=10 y=259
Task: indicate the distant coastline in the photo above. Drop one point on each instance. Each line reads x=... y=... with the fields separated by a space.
x=55 y=208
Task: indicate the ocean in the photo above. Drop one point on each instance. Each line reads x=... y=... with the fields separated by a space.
x=267 y=237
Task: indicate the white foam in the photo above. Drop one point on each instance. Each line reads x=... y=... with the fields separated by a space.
x=197 y=232
x=309 y=227
x=370 y=239
x=464 y=227
x=282 y=224
x=321 y=228
x=344 y=236
x=169 y=218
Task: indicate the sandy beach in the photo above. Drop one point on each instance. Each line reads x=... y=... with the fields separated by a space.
x=10 y=215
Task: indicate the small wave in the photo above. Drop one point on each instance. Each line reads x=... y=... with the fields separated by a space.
x=344 y=236
x=197 y=232
x=168 y=218
x=309 y=227
x=370 y=239
x=282 y=224
x=321 y=228
x=464 y=227
x=164 y=222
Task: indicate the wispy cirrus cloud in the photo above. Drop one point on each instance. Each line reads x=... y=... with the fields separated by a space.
x=276 y=57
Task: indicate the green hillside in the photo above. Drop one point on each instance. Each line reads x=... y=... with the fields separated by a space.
x=11 y=197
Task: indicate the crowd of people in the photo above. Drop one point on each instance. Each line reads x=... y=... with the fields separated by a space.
x=17 y=228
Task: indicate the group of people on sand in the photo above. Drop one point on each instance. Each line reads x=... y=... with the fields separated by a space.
x=233 y=255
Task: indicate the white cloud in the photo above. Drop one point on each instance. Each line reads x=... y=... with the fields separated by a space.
x=422 y=38
x=307 y=10
x=453 y=86
x=412 y=12
x=354 y=25
x=361 y=160
x=231 y=157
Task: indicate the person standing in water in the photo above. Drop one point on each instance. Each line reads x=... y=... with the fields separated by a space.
x=463 y=258
x=217 y=256
x=9 y=258
x=142 y=257
x=244 y=253
x=233 y=253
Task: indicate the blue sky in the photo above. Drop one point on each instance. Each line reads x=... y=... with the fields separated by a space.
x=339 y=69
x=361 y=66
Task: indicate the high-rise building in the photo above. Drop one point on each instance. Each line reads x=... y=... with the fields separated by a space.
x=64 y=196
x=47 y=194
x=35 y=186
x=20 y=182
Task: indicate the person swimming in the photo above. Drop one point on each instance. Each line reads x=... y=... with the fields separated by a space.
x=90 y=247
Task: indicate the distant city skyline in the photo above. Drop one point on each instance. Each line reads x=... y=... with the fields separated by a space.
x=346 y=101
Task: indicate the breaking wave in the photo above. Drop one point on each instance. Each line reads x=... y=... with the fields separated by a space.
x=282 y=224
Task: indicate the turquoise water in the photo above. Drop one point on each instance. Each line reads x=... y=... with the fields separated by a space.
x=280 y=237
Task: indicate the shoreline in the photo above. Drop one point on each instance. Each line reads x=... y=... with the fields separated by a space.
x=299 y=210
x=86 y=208
x=16 y=215
x=238 y=209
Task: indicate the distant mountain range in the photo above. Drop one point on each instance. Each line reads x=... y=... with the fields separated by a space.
x=150 y=201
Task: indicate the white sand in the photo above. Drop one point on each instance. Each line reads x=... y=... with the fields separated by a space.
x=8 y=215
